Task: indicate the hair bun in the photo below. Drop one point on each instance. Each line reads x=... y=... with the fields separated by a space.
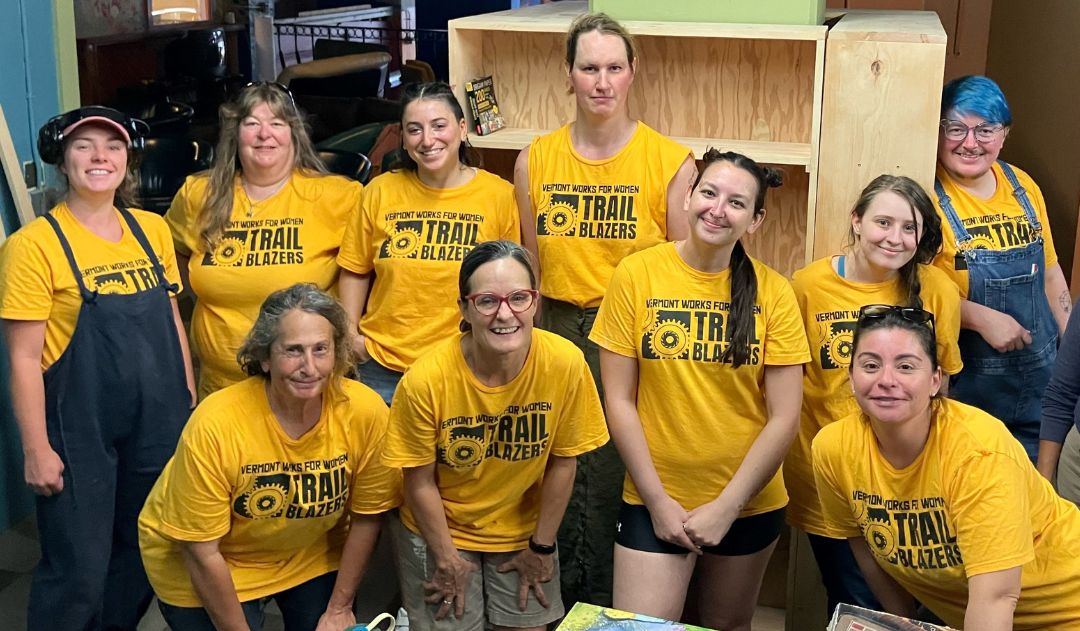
x=773 y=177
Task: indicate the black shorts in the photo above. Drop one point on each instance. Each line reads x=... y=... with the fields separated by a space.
x=747 y=535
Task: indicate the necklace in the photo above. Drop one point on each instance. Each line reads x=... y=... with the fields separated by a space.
x=251 y=204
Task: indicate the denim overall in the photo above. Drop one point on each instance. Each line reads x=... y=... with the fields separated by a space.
x=115 y=403
x=1007 y=385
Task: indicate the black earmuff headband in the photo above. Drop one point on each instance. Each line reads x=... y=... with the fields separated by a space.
x=51 y=136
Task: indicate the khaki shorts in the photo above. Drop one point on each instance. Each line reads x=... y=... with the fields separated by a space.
x=1068 y=471
x=489 y=594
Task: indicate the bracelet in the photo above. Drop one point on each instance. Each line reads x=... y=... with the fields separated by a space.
x=540 y=548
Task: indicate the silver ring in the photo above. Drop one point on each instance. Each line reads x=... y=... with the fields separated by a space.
x=447 y=602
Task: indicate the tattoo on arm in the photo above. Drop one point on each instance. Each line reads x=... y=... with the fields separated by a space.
x=1066 y=301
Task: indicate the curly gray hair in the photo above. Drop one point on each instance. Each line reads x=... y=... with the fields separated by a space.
x=306 y=297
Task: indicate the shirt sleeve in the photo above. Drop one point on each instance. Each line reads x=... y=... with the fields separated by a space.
x=198 y=493
x=376 y=488
x=988 y=502
x=614 y=327
x=181 y=217
x=582 y=427
x=412 y=435
x=946 y=309
x=26 y=290
x=357 y=253
x=839 y=521
x=1062 y=393
x=785 y=333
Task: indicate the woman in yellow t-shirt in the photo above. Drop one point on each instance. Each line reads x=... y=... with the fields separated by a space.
x=407 y=237
x=487 y=427
x=276 y=489
x=938 y=501
x=895 y=233
x=101 y=382
x=265 y=216
x=590 y=193
x=702 y=362
x=998 y=249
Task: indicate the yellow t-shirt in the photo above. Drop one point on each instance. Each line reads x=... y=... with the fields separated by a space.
x=291 y=237
x=414 y=238
x=38 y=284
x=970 y=504
x=699 y=415
x=279 y=505
x=830 y=307
x=590 y=214
x=997 y=223
x=491 y=445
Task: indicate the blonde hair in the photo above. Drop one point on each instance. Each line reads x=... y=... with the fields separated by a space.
x=600 y=22
x=217 y=209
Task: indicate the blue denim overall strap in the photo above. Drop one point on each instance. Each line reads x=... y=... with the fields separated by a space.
x=1007 y=385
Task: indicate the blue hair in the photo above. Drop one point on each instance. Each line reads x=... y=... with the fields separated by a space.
x=976 y=95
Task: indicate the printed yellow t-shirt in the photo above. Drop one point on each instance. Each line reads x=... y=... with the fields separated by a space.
x=38 y=283
x=970 y=504
x=830 y=307
x=590 y=214
x=700 y=416
x=491 y=444
x=997 y=223
x=290 y=238
x=279 y=505
x=414 y=238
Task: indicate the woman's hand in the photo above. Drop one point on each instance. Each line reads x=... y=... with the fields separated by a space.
x=359 y=348
x=44 y=471
x=448 y=585
x=668 y=522
x=533 y=569
x=336 y=619
x=709 y=523
x=1003 y=332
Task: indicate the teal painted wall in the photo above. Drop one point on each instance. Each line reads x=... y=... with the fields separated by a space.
x=29 y=95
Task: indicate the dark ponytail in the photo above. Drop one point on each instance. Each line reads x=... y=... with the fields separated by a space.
x=930 y=239
x=743 y=277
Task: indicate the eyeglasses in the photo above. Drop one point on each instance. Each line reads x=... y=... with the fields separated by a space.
x=985 y=133
x=911 y=314
x=488 y=304
x=273 y=84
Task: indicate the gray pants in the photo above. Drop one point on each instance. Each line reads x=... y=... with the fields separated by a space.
x=587 y=534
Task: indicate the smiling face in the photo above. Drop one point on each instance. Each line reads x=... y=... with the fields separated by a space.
x=95 y=159
x=302 y=357
x=892 y=376
x=432 y=135
x=265 y=140
x=721 y=206
x=504 y=332
x=601 y=74
x=968 y=159
x=888 y=232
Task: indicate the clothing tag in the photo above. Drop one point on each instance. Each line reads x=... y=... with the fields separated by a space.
x=1034 y=267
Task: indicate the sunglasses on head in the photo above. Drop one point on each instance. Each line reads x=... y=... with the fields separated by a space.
x=911 y=314
x=273 y=84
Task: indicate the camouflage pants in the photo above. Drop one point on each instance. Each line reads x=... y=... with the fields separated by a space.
x=587 y=534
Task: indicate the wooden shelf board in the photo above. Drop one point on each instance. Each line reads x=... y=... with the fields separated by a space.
x=788 y=153
x=870 y=25
x=557 y=16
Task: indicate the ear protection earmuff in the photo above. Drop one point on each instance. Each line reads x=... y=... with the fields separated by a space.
x=50 y=142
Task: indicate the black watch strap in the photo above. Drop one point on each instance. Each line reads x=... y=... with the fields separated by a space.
x=540 y=548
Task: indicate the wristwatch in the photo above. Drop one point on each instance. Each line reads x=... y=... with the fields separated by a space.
x=540 y=548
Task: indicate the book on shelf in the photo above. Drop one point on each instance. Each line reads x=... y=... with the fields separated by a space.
x=485 y=109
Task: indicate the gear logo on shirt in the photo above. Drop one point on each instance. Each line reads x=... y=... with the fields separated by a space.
x=879 y=532
x=257 y=243
x=561 y=219
x=464 y=448
x=588 y=211
x=228 y=252
x=403 y=242
x=838 y=346
x=112 y=283
x=430 y=235
x=670 y=339
x=265 y=498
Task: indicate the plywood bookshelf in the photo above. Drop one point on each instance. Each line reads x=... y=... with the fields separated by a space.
x=757 y=89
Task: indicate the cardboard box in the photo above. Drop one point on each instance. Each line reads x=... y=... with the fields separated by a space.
x=805 y=12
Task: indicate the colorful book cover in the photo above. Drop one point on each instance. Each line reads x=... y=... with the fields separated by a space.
x=852 y=618
x=586 y=617
x=485 y=109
